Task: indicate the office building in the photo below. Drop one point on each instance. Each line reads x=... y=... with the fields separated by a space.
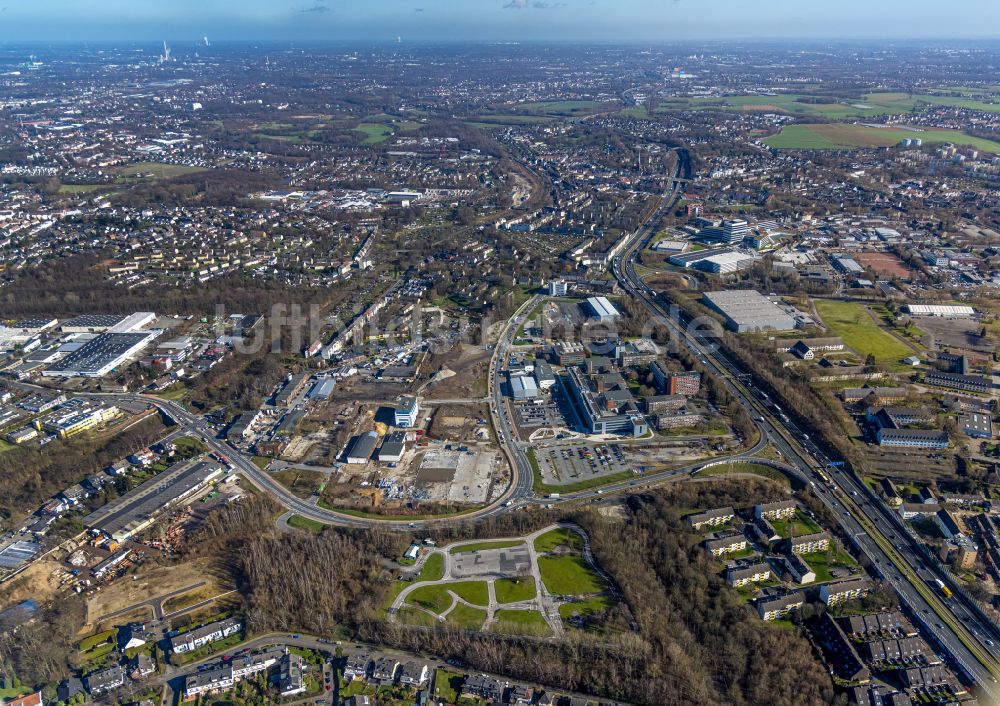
x=558 y=288
x=605 y=405
x=407 y=412
x=734 y=231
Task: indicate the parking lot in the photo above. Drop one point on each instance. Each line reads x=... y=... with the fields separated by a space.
x=547 y=414
x=563 y=465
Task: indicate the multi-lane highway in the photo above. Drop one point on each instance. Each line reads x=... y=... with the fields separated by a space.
x=967 y=637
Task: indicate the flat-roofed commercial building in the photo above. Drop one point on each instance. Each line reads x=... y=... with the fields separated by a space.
x=71 y=420
x=944 y=310
x=523 y=387
x=91 y=323
x=100 y=356
x=746 y=310
x=602 y=309
x=139 y=508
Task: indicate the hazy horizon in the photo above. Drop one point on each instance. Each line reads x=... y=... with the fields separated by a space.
x=419 y=21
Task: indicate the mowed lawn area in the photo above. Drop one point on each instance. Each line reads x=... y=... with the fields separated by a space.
x=521 y=622
x=480 y=546
x=842 y=136
x=561 y=537
x=801 y=525
x=514 y=590
x=466 y=617
x=438 y=599
x=852 y=322
x=569 y=575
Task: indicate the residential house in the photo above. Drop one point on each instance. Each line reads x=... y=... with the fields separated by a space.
x=384 y=670
x=800 y=571
x=711 y=518
x=481 y=686
x=840 y=591
x=105 y=680
x=413 y=674
x=357 y=667
x=809 y=543
x=780 y=510
x=193 y=639
x=727 y=544
x=775 y=607
x=737 y=576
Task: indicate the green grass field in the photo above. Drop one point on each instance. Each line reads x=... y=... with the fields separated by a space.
x=437 y=599
x=375 y=133
x=521 y=622
x=80 y=188
x=591 y=606
x=304 y=523
x=851 y=322
x=823 y=562
x=466 y=617
x=158 y=170
x=410 y=616
x=561 y=537
x=514 y=590
x=569 y=575
x=840 y=136
x=801 y=524
x=433 y=569
x=479 y=546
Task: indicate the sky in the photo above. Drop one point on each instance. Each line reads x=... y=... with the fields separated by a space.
x=611 y=21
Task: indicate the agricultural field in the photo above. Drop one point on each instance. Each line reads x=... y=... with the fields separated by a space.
x=860 y=331
x=840 y=136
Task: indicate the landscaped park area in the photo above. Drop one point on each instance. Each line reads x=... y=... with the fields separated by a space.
x=537 y=585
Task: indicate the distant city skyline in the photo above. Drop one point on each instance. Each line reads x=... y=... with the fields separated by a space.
x=417 y=21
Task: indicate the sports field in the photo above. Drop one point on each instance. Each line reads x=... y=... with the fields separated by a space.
x=840 y=136
x=859 y=330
